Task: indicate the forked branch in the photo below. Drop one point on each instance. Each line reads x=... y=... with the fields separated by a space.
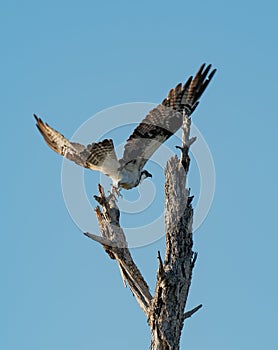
x=114 y=242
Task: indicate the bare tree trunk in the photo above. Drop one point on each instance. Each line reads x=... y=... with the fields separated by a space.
x=166 y=316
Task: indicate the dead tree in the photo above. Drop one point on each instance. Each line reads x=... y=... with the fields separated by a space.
x=165 y=310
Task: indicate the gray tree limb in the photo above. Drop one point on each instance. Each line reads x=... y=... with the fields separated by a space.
x=166 y=316
x=114 y=242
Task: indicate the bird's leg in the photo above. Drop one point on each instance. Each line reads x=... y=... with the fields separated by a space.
x=115 y=190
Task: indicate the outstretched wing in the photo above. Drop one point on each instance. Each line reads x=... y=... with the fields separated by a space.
x=164 y=120
x=95 y=156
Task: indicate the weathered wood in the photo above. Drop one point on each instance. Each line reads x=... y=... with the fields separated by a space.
x=114 y=242
x=186 y=140
x=166 y=315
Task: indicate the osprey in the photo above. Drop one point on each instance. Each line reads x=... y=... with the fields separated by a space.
x=160 y=123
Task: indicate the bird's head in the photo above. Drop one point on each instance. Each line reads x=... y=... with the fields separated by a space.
x=144 y=175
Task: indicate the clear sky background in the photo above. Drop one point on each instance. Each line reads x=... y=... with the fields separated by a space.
x=66 y=61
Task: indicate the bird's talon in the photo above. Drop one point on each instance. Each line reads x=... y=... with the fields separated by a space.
x=116 y=190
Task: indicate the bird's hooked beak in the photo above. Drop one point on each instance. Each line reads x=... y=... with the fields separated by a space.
x=145 y=174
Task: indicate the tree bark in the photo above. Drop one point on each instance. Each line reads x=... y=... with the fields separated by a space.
x=114 y=242
x=166 y=316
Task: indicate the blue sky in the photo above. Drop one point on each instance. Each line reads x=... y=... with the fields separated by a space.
x=66 y=61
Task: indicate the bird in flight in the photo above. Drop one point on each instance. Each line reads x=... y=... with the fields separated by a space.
x=160 y=123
